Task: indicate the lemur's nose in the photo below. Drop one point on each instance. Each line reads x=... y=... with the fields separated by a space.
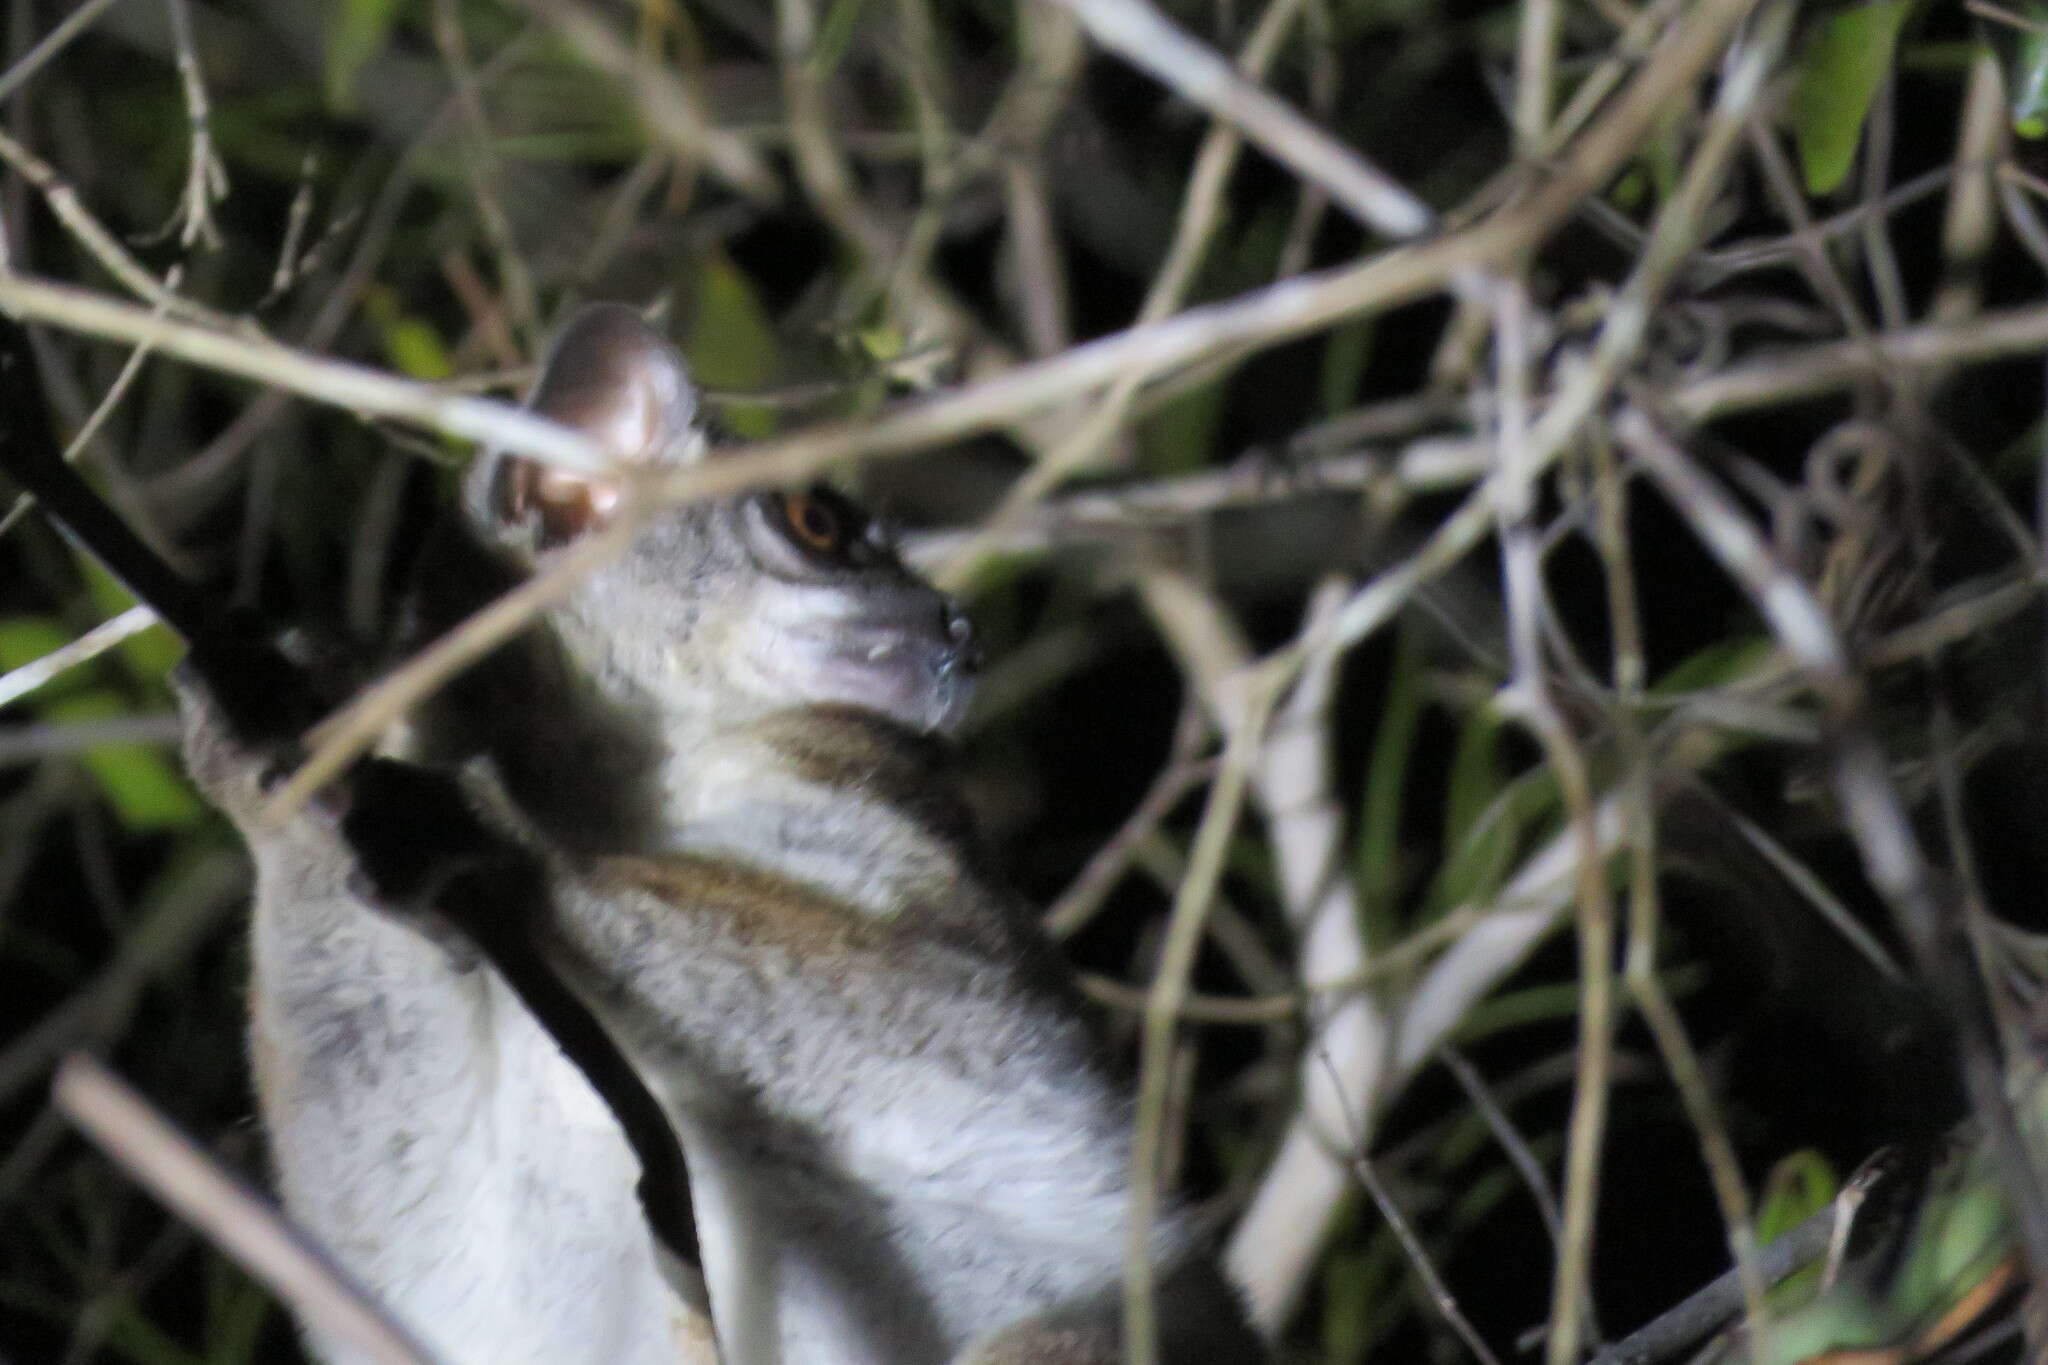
x=965 y=655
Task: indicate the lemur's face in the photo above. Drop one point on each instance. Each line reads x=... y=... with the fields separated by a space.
x=765 y=601
x=834 y=615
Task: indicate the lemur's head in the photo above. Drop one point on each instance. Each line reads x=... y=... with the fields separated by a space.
x=761 y=602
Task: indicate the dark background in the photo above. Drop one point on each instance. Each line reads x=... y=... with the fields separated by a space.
x=121 y=899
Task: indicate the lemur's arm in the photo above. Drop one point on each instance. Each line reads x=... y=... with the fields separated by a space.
x=415 y=839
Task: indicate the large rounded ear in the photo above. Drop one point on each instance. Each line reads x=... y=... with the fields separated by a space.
x=612 y=377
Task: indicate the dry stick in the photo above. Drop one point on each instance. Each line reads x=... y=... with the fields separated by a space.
x=53 y=42
x=1814 y=370
x=1266 y=316
x=1147 y=39
x=823 y=168
x=1673 y=237
x=1636 y=39
x=1881 y=261
x=1294 y=781
x=1535 y=67
x=1200 y=211
x=1163 y=1009
x=25 y=744
x=480 y=166
x=1311 y=201
x=1667 y=1028
x=1529 y=693
x=206 y=179
x=1677 y=1328
x=832 y=188
x=1418 y=1256
x=1049 y=54
x=235 y=1219
x=671 y=110
x=28 y=677
x=101 y=244
x=1039 y=294
x=355 y=387
x=1969 y=224
x=104 y=410
x=2019 y=213
x=1511 y=1141
x=1275 y=1242
x=1431 y=464
x=1878 y=822
x=1714 y=267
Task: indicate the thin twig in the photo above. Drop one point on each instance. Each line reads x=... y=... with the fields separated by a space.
x=1146 y=38
x=480 y=165
x=122 y=1123
x=1889 y=849
x=1667 y=1029
x=206 y=178
x=1440 y=1294
x=52 y=43
x=1531 y=697
x=1163 y=1009
x=28 y=677
x=671 y=110
x=101 y=244
x=354 y=387
x=1200 y=211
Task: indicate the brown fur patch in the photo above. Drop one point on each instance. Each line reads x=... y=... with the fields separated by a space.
x=762 y=908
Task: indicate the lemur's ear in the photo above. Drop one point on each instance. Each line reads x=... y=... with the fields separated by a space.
x=614 y=378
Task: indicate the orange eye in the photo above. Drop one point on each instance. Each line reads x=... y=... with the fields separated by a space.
x=814 y=523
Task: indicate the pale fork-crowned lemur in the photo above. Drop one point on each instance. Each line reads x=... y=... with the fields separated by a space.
x=730 y=745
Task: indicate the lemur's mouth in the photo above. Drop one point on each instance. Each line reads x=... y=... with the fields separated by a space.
x=920 y=672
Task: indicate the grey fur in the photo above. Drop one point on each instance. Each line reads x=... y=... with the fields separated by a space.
x=905 y=1146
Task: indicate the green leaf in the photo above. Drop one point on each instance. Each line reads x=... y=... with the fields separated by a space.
x=1379 y=838
x=236 y=1307
x=146 y=790
x=732 y=345
x=24 y=639
x=1178 y=437
x=1722 y=662
x=1798 y=1187
x=412 y=345
x=2027 y=74
x=1475 y=775
x=836 y=32
x=1347 y=1307
x=1843 y=67
x=1486 y=819
x=1554 y=1001
x=1345 y=356
x=356 y=30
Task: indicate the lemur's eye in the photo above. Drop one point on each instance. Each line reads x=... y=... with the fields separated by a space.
x=820 y=522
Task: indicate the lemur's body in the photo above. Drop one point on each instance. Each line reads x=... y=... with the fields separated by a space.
x=902 y=1142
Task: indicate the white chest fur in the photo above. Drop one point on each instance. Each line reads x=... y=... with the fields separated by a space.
x=430 y=1134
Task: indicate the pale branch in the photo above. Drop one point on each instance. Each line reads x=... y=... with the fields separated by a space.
x=1139 y=33
x=231 y=1215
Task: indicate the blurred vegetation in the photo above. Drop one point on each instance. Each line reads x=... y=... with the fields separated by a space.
x=360 y=210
